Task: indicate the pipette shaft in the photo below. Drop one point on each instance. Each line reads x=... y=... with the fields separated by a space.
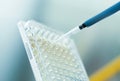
x=111 y=10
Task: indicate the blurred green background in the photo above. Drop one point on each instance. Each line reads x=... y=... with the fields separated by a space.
x=97 y=45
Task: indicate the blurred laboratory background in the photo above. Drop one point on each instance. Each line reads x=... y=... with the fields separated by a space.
x=98 y=45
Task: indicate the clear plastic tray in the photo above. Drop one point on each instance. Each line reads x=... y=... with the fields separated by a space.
x=50 y=60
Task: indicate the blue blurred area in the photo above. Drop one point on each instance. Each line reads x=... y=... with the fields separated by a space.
x=97 y=45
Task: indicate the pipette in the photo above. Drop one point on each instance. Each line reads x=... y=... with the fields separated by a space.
x=111 y=10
